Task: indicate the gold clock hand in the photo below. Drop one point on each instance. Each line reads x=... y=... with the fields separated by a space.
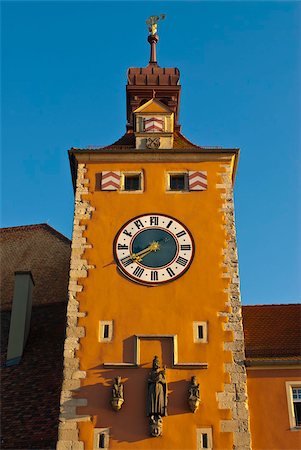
x=153 y=247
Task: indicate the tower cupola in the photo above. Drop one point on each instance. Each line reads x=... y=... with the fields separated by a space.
x=153 y=81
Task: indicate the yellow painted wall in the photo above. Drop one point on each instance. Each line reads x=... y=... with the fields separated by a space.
x=168 y=309
x=269 y=418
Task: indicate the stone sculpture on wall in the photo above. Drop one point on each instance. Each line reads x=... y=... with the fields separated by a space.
x=156 y=398
x=117 y=394
x=194 y=394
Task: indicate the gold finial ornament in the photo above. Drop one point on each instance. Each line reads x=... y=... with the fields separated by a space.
x=152 y=22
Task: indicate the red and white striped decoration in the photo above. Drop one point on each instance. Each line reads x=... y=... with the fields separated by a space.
x=198 y=181
x=153 y=125
x=110 y=181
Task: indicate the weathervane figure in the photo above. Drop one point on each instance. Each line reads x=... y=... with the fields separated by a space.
x=153 y=38
x=152 y=22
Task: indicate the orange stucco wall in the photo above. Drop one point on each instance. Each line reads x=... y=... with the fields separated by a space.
x=269 y=417
x=168 y=309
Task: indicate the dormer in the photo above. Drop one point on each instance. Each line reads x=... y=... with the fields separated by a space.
x=154 y=125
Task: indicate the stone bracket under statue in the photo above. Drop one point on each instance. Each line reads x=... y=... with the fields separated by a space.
x=175 y=363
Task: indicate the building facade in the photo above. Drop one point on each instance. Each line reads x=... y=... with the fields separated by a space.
x=154 y=354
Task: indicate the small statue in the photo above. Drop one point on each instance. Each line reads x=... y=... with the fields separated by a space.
x=194 y=394
x=152 y=22
x=117 y=394
x=156 y=398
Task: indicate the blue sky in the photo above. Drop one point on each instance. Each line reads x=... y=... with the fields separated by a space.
x=63 y=84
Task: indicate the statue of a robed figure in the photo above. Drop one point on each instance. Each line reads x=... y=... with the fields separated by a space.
x=156 y=398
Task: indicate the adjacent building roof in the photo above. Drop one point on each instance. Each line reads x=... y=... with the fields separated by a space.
x=40 y=249
x=272 y=331
x=30 y=391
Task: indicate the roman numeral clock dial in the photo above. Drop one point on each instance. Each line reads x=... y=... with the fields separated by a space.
x=153 y=249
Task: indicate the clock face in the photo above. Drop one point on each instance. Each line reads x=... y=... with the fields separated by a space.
x=153 y=249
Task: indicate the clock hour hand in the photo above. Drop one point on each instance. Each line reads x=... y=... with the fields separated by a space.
x=153 y=247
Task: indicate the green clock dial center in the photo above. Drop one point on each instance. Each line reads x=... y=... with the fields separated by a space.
x=156 y=257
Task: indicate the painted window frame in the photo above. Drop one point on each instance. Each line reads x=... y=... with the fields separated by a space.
x=96 y=437
x=200 y=432
x=169 y=174
x=204 y=325
x=124 y=174
x=290 y=403
x=102 y=324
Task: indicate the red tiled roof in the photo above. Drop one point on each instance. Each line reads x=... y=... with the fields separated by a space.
x=272 y=331
x=38 y=226
x=127 y=142
x=40 y=249
x=30 y=391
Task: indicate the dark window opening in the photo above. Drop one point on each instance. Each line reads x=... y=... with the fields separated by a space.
x=297 y=412
x=200 y=332
x=204 y=440
x=103 y=440
x=106 y=329
x=177 y=182
x=132 y=182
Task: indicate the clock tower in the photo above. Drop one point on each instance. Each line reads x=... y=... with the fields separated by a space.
x=154 y=349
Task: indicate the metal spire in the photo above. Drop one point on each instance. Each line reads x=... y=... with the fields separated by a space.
x=153 y=38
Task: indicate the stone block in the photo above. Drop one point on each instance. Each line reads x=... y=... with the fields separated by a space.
x=225 y=405
x=238 y=377
x=79 y=445
x=76 y=273
x=230 y=326
x=230 y=388
x=241 y=411
x=225 y=397
x=71 y=385
x=243 y=425
x=78 y=374
x=242 y=439
x=66 y=396
x=71 y=321
x=69 y=352
x=71 y=363
x=239 y=357
x=228 y=426
x=232 y=367
x=68 y=435
x=77 y=332
x=64 y=445
x=75 y=287
x=67 y=426
x=68 y=373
